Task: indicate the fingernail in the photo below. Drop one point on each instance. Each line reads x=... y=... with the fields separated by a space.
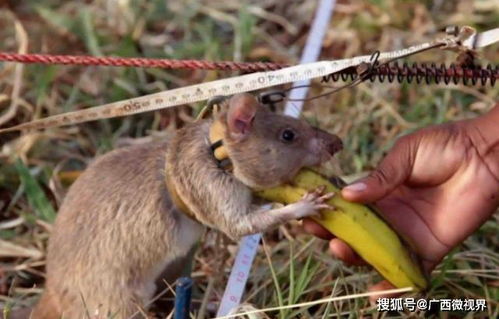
x=356 y=187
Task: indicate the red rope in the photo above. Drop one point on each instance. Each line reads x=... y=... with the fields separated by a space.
x=393 y=72
x=140 y=62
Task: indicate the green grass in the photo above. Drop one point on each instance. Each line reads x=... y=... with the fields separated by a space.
x=35 y=194
x=368 y=118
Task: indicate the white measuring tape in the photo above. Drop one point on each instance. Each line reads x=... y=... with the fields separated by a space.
x=248 y=245
x=229 y=86
x=310 y=54
x=247 y=83
x=239 y=274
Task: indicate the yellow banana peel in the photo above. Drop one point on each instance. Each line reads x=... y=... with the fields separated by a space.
x=358 y=226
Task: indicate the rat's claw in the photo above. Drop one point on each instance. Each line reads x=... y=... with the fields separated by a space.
x=315 y=201
x=322 y=206
x=327 y=196
x=315 y=194
x=309 y=196
x=320 y=190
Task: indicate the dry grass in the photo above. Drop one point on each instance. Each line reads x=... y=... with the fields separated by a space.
x=368 y=118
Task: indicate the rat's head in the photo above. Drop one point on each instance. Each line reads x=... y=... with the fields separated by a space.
x=268 y=149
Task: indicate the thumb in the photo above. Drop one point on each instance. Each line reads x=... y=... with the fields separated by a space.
x=393 y=170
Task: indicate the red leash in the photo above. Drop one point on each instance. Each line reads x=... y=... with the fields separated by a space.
x=427 y=72
x=140 y=62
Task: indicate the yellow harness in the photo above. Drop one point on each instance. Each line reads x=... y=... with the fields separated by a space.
x=219 y=152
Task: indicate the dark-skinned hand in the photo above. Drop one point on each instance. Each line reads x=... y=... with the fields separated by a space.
x=435 y=187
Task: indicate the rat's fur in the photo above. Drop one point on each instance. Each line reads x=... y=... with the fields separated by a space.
x=118 y=229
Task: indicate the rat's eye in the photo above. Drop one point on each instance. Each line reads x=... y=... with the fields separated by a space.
x=288 y=135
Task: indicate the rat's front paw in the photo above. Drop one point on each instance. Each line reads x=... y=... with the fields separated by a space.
x=312 y=202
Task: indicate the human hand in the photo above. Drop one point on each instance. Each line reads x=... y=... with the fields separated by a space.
x=435 y=187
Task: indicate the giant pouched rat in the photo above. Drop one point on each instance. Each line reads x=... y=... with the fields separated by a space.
x=136 y=210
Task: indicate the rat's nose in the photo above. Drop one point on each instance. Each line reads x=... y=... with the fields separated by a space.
x=335 y=145
x=331 y=142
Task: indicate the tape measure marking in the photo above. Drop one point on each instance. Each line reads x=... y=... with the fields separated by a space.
x=203 y=91
x=236 y=284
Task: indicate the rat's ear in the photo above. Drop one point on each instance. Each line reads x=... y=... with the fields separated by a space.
x=242 y=110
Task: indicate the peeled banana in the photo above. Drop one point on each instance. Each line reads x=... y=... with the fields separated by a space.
x=358 y=226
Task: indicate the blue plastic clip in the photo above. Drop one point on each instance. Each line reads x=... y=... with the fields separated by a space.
x=183 y=298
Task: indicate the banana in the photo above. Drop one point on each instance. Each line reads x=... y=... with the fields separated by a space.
x=358 y=226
